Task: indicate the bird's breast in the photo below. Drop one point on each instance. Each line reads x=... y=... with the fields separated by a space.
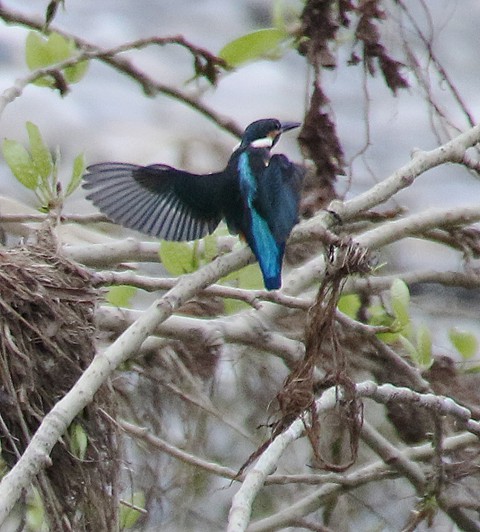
x=247 y=179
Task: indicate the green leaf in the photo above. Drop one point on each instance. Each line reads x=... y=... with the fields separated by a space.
x=78 y=441
x=409 y=347
x=75 y=73
x=77 y=173
x=380 y=317
x=278 y=14
x=258 y=44
x=121 y=295
x=52 y=11
x=3 y=466
x=424 y=347
x=400 y=301
x=42 y=52
x=465 y=342
x=473 y=369
x=35 y=511
x=129 y=516
x=20 y=163
x=249 y=277
x=349 y=304
x=210 y=250
x=232 y=306
x=178 y=257
x=41 y=156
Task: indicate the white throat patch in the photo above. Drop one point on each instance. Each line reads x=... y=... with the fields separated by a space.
x=266 y=142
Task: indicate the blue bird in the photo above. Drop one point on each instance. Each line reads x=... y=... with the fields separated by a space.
x=257 y=195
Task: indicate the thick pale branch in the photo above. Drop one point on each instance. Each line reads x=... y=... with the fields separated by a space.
x=126 y=250
x=152 y=284
x=451 y=152
x=213 y=331
x=392 y=456
x=111 y=253
x=39 y=217
x=59 y=418
x=374 y=285
x=416 y=224
x=374 y=471
x=313 y=270
x=334 y=484
x=422 y=161
x=242 y=502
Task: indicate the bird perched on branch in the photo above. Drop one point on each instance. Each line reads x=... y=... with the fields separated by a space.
x=257 y=194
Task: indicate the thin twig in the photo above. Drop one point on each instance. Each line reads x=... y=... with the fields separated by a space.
x=150 y=86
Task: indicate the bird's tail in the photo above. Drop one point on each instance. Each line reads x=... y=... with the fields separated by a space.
x=268 y=252
x=273 y=283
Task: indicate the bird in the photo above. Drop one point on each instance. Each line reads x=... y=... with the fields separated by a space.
x=257 y=194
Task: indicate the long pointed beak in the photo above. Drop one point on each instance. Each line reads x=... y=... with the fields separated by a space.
x=286 y=126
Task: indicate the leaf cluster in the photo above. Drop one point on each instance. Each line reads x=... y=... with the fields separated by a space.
x=37 y=169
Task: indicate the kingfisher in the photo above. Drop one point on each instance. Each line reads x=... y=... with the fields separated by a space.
x=257 y=194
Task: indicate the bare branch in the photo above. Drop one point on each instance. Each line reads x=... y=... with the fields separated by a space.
x=240 y=510
x=236 y=330
x=150 y=86
x=59 y=418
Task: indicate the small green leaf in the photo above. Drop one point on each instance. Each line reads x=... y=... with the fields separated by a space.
x=45 y=51
x=232 y=306
x=465 y=342
x=424 y=347
x=20 y=163
x=41 y=156
x=42 y=52
x=409 y=347
x=52 y=11
x=249 y=277
x=3 y=465
x=349 y=304
x=75 y=73
x=473 y=369
x=77 y=173
x=121 y=295
x=255 y=45
x=178 y=257
x=210 y=250
x=278 y=14
x=129 y=516
x=78 y=441
x=35 y=511
x=379 y=317
x=35 y=51
x=400 y=301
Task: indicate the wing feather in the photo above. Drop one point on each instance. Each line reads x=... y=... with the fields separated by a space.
x=278 y=196
x=157 y=200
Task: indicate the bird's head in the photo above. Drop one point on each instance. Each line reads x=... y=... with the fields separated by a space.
x=265 y=133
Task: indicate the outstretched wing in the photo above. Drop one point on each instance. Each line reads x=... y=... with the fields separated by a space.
x=278 y=196
x=157 y=200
